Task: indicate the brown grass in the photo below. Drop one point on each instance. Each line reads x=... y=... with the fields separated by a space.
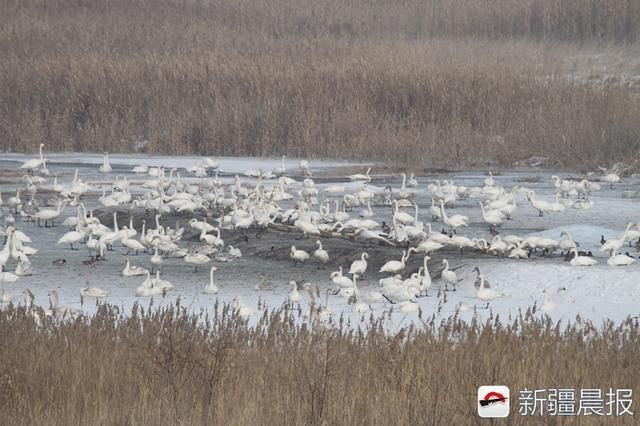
x=170 y=367
x=432 y=83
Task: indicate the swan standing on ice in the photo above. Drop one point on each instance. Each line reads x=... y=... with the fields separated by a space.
x=547 y=304
x=50 y=215
x=71 y=238
x=425 y=278
x=448 y=276
x=359 y=266
x=298 y=256
x=320 y=253
x=357 y=307
x=156 y=260
x=211 y=288
x=340 y=280
x=454 y=221
x=395 y=266
x=34 y=163
x=106 y=166
x=611 y=178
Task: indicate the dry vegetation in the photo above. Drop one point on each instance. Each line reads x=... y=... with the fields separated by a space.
x=447 y=83
x=170 y=367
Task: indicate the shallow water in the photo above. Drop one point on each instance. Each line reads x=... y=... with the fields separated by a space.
x=594 y=293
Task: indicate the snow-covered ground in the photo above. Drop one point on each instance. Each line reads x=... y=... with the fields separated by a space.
x=596 y=293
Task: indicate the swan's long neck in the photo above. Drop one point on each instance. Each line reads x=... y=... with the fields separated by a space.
x=211 y=277
x=115 y=222
x=446 y=264
x=444 y=213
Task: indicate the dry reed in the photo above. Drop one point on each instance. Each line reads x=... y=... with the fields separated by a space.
x=167 y=366
x=435 y=83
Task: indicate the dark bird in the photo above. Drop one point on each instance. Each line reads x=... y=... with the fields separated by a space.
x=602 y=240
x=59 y=262
x=477 y=281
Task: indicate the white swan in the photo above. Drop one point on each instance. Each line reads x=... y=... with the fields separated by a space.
x=611 y=178
x=357 y=307
x=306 y=227
x=620 y=260
x=492 y=217
x=615 y=244
x=401 y=217
x=540 y=205
x=281 y=170
x=211 y=288
x=298 y=256
x=359 y=266
x=425 y=278
x=448 y=276
x=34 y=163
x=96 y=292
x=581 y=260
x=106 y=166
x=294 y=294
x=162 y=284
x=489 y=180
x=156 y=260
x=395 y=266
x=428 y=246
x=340 y=280
x=132 y=271
x=484 y=293
x=196 y=259
x=71 y=238
x=23 y=268
x=50 y=215
x=320 y=253
x=148 y=288
x=359 y=176
x=454 y=221
x=566 y=244
x=547 y=304
x=243 y=310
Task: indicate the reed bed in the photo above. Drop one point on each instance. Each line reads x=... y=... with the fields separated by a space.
x=169 y=366
x=426 y=83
